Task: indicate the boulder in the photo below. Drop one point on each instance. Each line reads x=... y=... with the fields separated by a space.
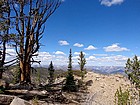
x=117 y=79
x=89 y=83
x=97 y=78
x=6 y=99
x=19 y=101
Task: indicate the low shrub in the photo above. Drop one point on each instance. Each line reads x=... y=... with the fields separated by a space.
x=2 y=89
x=122 y=97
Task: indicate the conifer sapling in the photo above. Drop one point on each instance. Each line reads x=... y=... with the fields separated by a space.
x=82 y=62
x=51 y=74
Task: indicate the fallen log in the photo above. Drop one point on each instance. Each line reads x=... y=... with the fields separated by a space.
x=32 y=92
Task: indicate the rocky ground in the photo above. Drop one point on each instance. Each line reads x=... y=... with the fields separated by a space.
x=101 y=91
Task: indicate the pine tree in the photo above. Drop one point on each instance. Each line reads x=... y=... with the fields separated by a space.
x=70 y=62
x=70 y=84
x=82 y=62
x=133 y=71
x=51 y=74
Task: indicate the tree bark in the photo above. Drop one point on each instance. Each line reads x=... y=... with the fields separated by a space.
x=28 y=76
x=1 y=72
x=3 y=59
x=22 y=77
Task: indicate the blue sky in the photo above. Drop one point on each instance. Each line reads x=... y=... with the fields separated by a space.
x=107 y=31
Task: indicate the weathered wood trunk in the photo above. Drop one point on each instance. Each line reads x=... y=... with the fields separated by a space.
x=30 y=28
x=1 y=72
x=2 y=59
x=25 y=72
x=28 y=73
x=22 y=75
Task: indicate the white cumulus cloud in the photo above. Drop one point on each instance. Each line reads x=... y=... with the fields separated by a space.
x=63 y=42
x=91 y=58
x=115 y=48
x=77 y=53
x=78 y=45
x=90 y=47
x=111 y=2
x=43 y=56
x=114 y=58
x=75 y=57
x=118 y=60
x=59 y=53
x=10 y=54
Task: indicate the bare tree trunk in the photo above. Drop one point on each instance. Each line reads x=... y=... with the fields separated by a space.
x=28 y=77
x=30 y=27
x=22 y=77
x=25 y=72
x=22 y=43
x=3 y=59
x=1 y=72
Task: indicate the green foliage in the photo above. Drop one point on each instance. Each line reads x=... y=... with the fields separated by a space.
x=82 y=85
x=133 y=71
x=2 y=89
x=4 y=13
x=82 y=62
x=75 y=72
x=70 y=62
x=5 y=36
x=70 y=84
x=122 y=98
x=38 y=76
x=51 y=74
x=16 y=75
x=35 y=101
x=78 y=73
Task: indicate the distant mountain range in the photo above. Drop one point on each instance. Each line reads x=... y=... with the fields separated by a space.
x=109 y=69
x=97 y=69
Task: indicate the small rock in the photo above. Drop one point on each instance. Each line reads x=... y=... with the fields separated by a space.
x=102 y=85
x=97 y=78
x=117 y=79
x=103 y=77
x=89 y=83
x=44 y=92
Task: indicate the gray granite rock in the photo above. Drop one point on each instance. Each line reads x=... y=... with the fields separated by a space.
x=19 y=101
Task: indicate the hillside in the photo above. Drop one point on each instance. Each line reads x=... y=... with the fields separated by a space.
x=100 y=92
x=103 y=89
x=38 y=73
